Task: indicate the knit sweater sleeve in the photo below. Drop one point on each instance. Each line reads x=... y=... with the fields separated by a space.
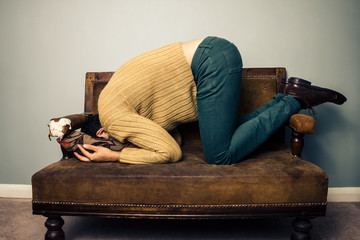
x=154 y=144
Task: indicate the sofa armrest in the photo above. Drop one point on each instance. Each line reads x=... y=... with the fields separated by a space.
x=300 y=124
x=61 y=126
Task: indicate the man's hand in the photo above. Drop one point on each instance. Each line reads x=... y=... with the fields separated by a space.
x=100 y=154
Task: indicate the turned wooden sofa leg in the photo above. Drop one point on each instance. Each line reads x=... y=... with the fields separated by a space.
x=297 y=143
x=302 y=226
x=54 y=225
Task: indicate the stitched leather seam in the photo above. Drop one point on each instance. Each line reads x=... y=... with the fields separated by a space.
x=261 y=77
x=265 y=205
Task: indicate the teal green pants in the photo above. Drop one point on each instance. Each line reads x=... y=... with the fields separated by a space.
x=217 y=67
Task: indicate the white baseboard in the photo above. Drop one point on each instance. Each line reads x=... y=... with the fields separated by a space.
x=342 y=194
x=15 y=191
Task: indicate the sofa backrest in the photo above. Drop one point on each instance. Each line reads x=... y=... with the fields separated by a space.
x=259 y=85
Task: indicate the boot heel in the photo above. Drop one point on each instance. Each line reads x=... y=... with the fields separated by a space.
x=298 y=81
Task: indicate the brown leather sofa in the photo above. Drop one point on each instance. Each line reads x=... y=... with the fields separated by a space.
x=273 y=181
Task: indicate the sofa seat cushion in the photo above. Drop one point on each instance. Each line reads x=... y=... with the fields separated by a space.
x=266 y=177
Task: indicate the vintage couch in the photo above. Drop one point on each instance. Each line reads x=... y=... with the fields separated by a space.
x=272 y=182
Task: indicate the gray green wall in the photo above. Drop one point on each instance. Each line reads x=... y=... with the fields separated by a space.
x=48 y=46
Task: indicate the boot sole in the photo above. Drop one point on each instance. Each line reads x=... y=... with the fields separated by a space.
x=338 y=97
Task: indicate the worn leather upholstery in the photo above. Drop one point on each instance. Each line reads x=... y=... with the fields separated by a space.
x=270 y=175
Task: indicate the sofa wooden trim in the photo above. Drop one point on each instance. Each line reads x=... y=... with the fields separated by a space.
x=181 y=211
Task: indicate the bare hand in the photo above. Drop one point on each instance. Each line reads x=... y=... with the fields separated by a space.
x=100 y=154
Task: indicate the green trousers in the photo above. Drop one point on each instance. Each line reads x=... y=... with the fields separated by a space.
x=217 y=67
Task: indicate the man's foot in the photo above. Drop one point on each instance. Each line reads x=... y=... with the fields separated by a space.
x=309 y=95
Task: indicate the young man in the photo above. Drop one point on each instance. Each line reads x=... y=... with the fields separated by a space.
x=183 y=82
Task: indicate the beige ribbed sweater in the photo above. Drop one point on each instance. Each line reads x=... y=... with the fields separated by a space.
x=148 y=96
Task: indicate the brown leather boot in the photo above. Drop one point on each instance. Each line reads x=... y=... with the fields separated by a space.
x=309 y=95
